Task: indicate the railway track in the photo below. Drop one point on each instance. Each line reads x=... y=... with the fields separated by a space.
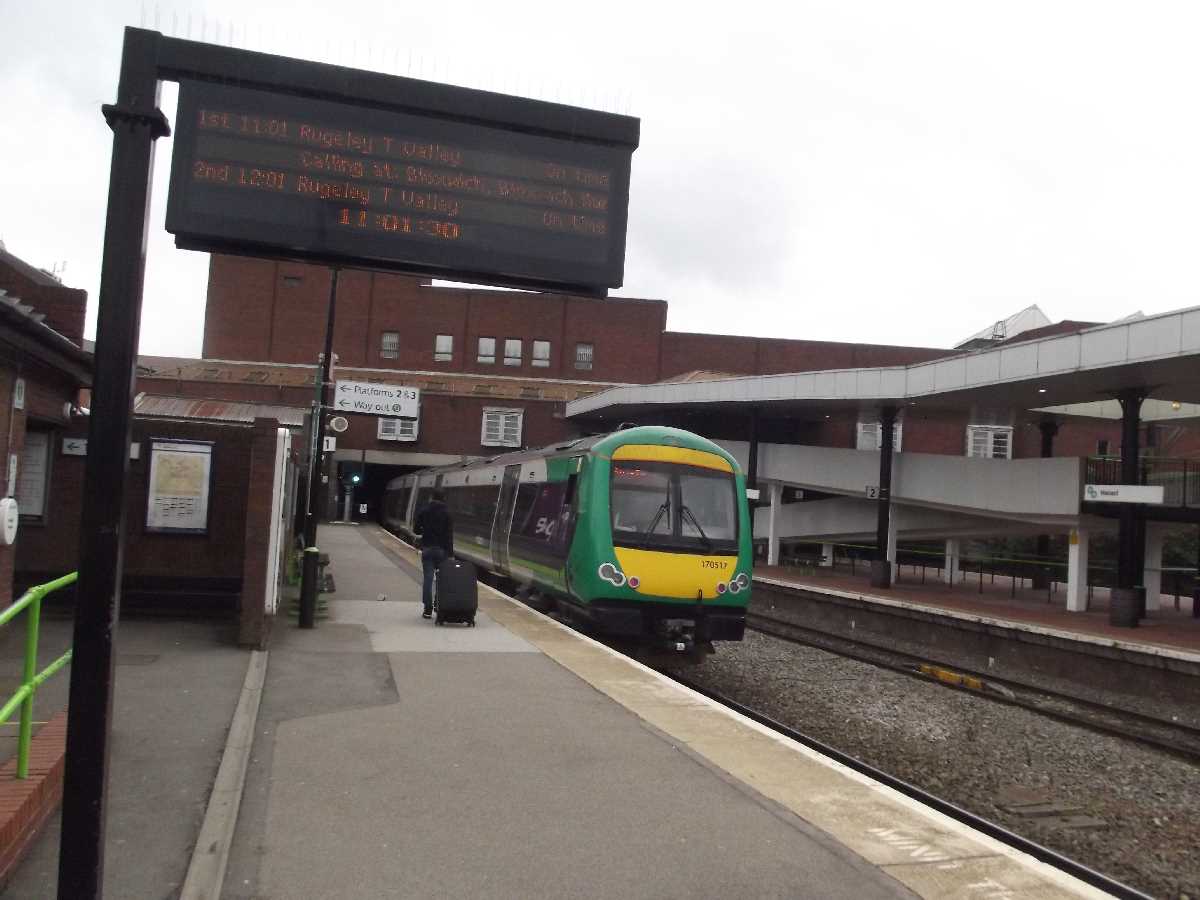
x=984 y=826
x=1178 y=739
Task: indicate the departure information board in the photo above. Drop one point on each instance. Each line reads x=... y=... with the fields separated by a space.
x=273 y=174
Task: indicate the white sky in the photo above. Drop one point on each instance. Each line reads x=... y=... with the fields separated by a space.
x=858 y=171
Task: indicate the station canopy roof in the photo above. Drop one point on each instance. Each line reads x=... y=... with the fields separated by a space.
x=159 y=407
x=1074 y=375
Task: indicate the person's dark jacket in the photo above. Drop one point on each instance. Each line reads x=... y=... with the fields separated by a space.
x=435 y=527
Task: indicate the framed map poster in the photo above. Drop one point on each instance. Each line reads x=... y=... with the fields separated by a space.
x=180 y=476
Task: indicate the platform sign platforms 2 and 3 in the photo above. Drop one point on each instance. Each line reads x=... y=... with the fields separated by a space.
x=288 y=159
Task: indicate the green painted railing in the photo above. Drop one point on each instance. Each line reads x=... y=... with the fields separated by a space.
x=31 y=679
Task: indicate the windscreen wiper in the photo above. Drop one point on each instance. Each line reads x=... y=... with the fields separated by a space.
x=666 y=507
x=708 y=544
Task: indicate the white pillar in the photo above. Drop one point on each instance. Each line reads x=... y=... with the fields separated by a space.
x=827 y=554
x=776 y=494
x=891 y=544
x=953 y=549
x=1077 y=563
x=1152 y=572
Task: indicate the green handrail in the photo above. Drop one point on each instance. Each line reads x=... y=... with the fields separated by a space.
x=31 y=680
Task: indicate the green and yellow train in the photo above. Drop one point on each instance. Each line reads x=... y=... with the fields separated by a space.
x=643 y=533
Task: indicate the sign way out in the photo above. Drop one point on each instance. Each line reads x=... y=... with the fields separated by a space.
x=377 y=399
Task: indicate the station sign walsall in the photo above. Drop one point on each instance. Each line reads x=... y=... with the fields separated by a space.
x=377 y=399
x=271 y=174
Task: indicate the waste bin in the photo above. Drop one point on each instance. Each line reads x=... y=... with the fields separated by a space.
x=881 y=573
x=1124 y=606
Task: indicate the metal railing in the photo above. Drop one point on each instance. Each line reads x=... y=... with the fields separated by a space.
x=1179 y=478
x=915 y=566
x=31 y=679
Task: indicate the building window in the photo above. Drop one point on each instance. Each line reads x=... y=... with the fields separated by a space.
x=443 y=348
x=869 y=435
x=1102 y=447
x=512 y=352
x=541 y=354
x=989 y=441
x=584 y=354
x=501 y=427
x=487 y=350
x=33 y=470
x=389 y=345
x=397 y=429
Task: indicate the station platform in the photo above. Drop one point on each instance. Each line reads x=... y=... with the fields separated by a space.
x=519 y=758
x=1024 y=608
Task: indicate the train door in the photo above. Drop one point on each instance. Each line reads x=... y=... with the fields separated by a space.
x=502 y=524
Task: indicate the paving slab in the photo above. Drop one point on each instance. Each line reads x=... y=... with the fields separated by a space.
x=482 y=767
x=176 y=687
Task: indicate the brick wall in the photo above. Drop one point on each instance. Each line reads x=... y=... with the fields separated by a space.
x=453 y=425
x=252 y=620
x=216 y=559
x=683 y=352
x=46 y=390
x=64 y=307
x=277 y=312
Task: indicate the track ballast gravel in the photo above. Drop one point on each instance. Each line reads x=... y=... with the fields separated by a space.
x=984 y=757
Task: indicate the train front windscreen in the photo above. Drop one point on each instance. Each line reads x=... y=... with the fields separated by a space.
x=673 y=507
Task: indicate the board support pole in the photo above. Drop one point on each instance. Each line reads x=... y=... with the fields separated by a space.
x=136 y=122
x=312 y=555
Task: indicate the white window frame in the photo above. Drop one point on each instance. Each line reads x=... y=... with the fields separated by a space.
x=541 y=354
x=585 y=364
x=389 y=429
x=389 y=349
x=514 y=351
x=443 y=351
x=981 y=441
x=486 y=357
x=869 y=435
x=501 y=427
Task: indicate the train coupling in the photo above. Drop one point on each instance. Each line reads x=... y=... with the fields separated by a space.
x=679 y=636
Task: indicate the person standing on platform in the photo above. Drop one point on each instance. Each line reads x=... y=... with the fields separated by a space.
x=436 y=528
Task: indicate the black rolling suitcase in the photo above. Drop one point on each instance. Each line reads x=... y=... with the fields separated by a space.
x=457 y=596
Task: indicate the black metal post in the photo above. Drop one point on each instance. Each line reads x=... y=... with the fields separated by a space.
x=1126 y=601
x=752 y=467
x=881 y=568
x=308 y=584
x=1041 y=577
x=1131 y=403
x=136 y=122
x=1196 y=583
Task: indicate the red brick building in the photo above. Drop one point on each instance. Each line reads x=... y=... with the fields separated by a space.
x=43 y=368
x=496 y=368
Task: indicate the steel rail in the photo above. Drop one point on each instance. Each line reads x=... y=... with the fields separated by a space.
x=1187 y=746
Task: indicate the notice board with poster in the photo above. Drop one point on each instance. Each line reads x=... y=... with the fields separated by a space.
x=180 y=477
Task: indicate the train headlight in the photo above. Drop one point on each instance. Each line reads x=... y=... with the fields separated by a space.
x=611 y=574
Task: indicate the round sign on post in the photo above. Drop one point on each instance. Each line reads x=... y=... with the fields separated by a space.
x=338 y=424
x=9 y=517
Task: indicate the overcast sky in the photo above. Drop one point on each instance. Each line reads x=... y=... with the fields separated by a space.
x=856 y=171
